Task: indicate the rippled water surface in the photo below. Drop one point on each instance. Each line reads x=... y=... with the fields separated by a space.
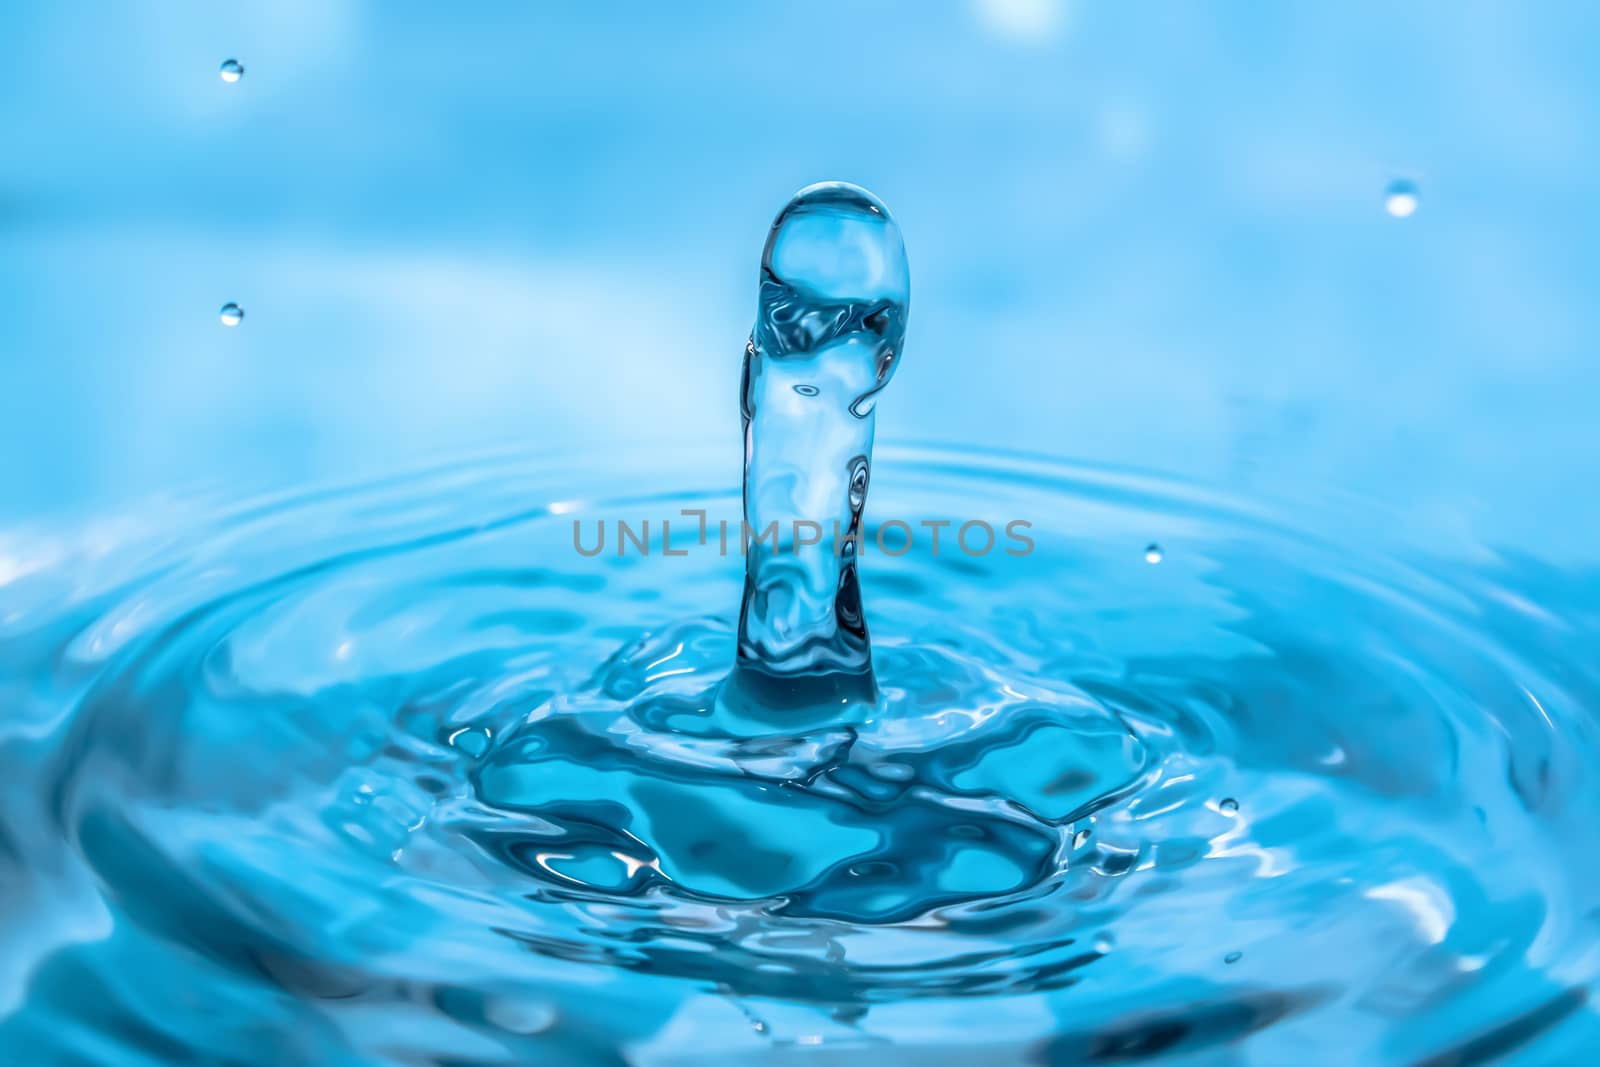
x=392 y=774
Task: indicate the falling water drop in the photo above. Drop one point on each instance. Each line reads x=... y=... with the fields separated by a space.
x=231 y=70
x=1152 y=553
x=1228 y=806
x=1081 y=838
x=231 y=314
x=1401 y=199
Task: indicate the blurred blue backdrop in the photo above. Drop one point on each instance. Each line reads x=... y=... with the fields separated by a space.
x=1148 y=235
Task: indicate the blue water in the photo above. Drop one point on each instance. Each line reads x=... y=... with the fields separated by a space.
x=390 y=774
x=322 y=742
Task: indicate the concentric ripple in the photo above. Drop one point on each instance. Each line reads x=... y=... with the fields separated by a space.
x=393 y=773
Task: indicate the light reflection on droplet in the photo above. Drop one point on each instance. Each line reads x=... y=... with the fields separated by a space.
x=1228 y=806
x=231 y=70
x=1401 y=199
x=1152 y=553
x=231 y=314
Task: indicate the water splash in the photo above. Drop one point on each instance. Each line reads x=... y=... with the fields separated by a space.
x=399 y=776
x=394 y=775
x=830 y=326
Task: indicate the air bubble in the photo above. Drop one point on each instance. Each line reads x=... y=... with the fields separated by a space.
x=231 y=314
x=1401 y=199
x=231 y=70
x=516 y=1016
x=1152 y=553
x=859 y=468
x=473 y=740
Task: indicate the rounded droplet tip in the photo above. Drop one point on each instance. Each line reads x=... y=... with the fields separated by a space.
x=231 y=70
x=231 y=314
x=1401 y=199
x=838 y=241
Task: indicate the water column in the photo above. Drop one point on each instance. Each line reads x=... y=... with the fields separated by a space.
x=831 y=320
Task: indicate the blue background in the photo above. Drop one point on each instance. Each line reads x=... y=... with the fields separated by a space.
x=1147 y=235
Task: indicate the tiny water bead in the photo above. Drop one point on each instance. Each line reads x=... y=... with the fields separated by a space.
x=1228 y=806
x=231 y=314
x=231 y=71
x=1152 y=553
x=1401 y=199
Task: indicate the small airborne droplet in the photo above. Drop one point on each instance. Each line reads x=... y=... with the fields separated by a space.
x=231 y=314
x=1233 y=957
x=1152 y=553
x=231 y=70
x=1228 y=806
x=1080 y=839
x=1401 y=199
x=1103 y=944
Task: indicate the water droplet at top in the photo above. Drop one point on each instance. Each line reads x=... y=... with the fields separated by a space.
x=830 y=324
x=1152 y=553
x=231 y=71
x=835 y=286
x=231 y=314
x=1402 y=199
